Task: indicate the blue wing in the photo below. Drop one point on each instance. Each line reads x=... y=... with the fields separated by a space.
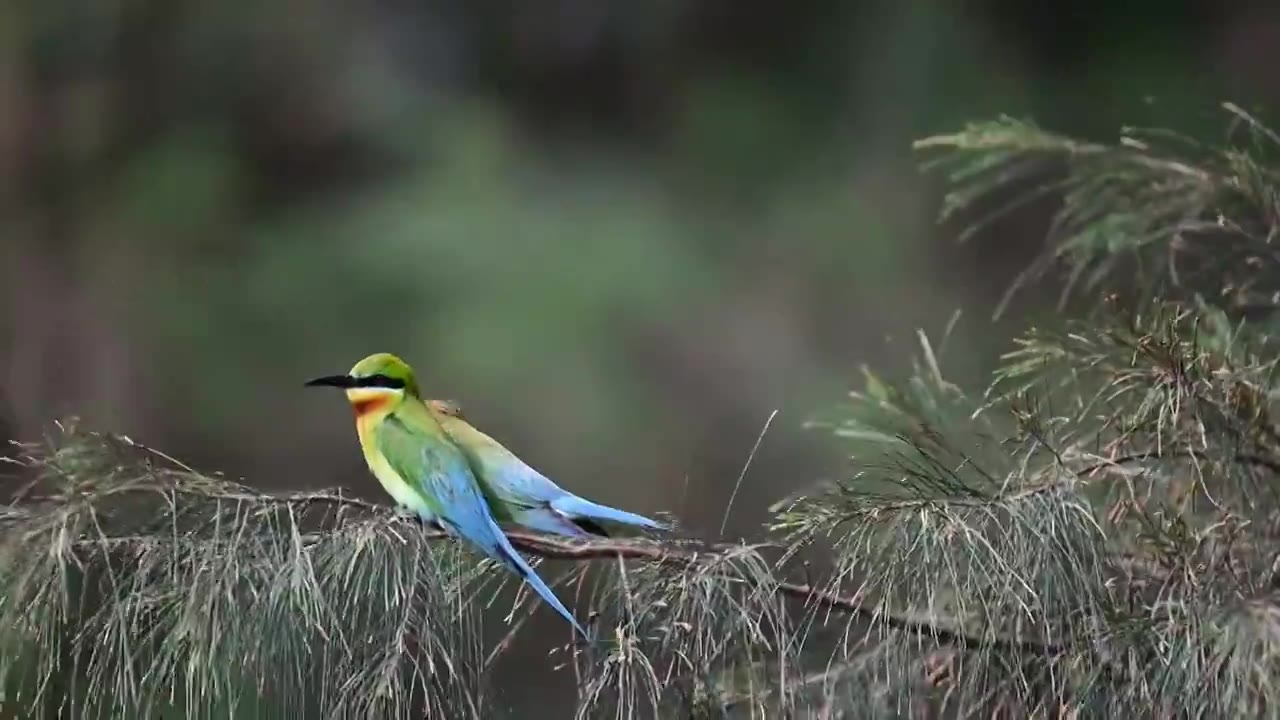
x=442 y=474
x=533 y=500
x=540 y=504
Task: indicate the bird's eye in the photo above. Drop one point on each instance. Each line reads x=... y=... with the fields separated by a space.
x=382 y=381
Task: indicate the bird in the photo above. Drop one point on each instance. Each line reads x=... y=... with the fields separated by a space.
x=521 y=495
x=422 y=470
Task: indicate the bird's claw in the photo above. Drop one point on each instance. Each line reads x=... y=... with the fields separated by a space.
x=408 y=515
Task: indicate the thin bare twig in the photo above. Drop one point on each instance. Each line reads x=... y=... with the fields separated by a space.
x=728 y=508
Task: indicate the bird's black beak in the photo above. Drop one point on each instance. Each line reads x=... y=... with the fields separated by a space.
x=342 y=381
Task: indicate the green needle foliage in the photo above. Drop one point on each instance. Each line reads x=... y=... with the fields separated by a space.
x=1100 y=524
x=1094 y=534
x=1175 y=214
x=133 y=588
x=137 y=587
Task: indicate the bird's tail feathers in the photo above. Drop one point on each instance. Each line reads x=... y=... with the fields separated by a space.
x=517 y=563
x=573 y=506
x=500 y=548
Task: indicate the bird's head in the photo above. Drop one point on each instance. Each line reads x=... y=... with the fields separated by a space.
x=378 y=382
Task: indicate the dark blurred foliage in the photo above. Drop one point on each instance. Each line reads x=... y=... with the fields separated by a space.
x=619 y=233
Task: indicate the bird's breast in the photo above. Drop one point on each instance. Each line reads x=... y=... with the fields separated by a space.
x=396 y=486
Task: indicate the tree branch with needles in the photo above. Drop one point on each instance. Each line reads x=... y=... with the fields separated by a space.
x=678 y=553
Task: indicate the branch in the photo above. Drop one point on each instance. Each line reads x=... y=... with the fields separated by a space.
x=1243 y=458
x=678 y=553
x=551 y=547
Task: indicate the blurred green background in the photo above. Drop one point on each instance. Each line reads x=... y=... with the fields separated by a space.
x=620 y=233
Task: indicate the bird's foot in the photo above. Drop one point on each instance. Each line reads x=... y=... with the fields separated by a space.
x=412 y=516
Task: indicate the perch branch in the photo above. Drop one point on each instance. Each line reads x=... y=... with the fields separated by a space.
x=678 y=553
x=549 y=547
x=1243 y=458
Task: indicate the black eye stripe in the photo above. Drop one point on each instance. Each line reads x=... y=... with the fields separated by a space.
x=380 y=381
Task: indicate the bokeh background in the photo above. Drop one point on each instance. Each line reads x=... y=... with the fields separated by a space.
x=620 y=233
